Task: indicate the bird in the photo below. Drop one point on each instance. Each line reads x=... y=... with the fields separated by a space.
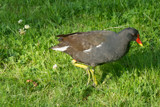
x=92 y=48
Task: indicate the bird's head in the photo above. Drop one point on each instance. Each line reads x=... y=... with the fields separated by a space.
x=134 y=35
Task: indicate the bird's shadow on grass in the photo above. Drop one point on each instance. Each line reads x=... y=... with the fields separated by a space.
x=110 y=68
x=87 y=92
x=140 y=60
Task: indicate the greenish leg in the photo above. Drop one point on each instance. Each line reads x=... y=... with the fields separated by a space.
x=89 y=77
x=88 y=71
x=79 y=65
x=93 y=77
x=84 y=67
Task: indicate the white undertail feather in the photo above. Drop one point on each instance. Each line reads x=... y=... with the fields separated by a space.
x=61 y=48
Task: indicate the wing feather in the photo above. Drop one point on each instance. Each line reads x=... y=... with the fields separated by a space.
x=83 y=40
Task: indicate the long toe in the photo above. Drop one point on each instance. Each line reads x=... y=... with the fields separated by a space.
x=93 y=77
x=95 y=81
x=89 y=77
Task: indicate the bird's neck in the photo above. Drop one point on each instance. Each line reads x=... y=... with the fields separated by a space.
x=124 y=42
x=125 y=36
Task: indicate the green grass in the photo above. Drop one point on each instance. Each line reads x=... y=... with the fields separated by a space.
x=132 y=81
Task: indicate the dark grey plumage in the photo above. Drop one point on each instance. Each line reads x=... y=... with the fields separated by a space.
x=97 y=47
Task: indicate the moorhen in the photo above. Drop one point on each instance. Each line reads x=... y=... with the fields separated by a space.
x=96 y=47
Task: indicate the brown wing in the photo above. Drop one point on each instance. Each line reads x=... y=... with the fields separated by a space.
x=82 y=40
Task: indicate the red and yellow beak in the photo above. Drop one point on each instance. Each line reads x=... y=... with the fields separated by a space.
x=139 y=41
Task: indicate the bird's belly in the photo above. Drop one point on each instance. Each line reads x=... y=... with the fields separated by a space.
x=95 y=57
x=99 y=55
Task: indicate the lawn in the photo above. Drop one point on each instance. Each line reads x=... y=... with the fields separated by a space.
x=27 y=76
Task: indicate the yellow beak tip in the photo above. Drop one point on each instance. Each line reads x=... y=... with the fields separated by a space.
x=141 y=44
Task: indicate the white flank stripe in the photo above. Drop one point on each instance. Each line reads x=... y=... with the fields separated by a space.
x=61 y=48
x=99 y=45
x=88 y=50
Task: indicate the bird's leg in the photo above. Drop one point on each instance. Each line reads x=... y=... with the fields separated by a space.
x=93 y=77
x=84 y=67
x=79 y=65
x=89 y=70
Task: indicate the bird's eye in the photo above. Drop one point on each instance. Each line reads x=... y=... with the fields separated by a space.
x=133 y=34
